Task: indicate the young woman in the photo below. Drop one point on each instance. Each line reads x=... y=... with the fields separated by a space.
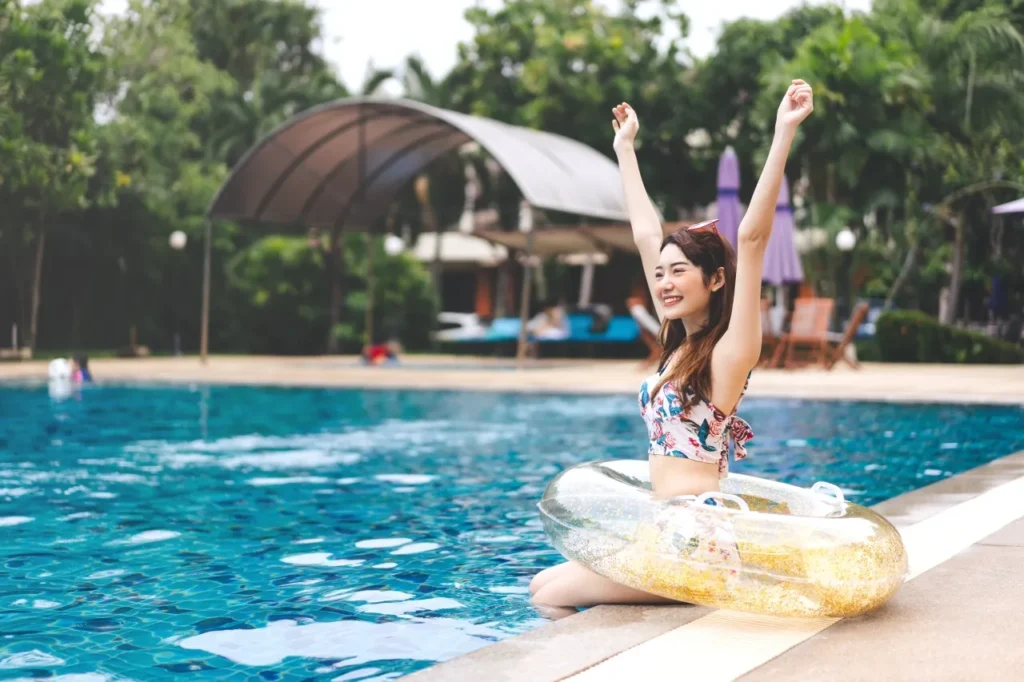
x=708 y=300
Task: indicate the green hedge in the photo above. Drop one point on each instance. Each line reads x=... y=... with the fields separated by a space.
x=913 y=336
x=867 y=350
x=279 y=290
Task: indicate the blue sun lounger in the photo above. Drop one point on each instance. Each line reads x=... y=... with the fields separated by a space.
x=621 y=329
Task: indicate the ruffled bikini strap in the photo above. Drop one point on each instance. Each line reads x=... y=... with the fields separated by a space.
x=741 y=433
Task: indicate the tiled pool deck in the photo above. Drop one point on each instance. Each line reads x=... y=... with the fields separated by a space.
x=958 y=618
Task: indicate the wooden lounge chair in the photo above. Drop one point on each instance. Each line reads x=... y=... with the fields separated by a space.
x=649 y=330
x=14 y=352
x=771 y=342
x=808 y=331
x=837 y=353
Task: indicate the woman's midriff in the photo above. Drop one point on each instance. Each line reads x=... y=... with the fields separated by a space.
x=674 y=476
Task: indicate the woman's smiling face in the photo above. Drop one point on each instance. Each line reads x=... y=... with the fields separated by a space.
x=680 y=285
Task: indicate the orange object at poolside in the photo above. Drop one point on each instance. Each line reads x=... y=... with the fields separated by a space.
x=378 y=353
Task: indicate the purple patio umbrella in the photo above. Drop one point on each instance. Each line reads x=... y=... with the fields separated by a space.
x=729 y=209
x=781 y=261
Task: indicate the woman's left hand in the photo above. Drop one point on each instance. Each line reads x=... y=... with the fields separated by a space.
x=797 y=104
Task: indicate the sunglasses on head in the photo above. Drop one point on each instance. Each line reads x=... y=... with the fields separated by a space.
x=706 y=226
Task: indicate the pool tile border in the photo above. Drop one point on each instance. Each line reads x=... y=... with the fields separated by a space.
x=959 y=384
x=563 y=647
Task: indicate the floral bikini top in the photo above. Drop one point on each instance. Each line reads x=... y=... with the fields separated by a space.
x=700 y=433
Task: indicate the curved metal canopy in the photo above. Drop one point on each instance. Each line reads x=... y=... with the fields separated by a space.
x=341 y=164
x=563 y=240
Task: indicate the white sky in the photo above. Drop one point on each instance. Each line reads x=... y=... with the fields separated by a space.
x=386 y=31
x=357 y=32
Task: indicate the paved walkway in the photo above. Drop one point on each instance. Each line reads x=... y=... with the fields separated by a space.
x=943 y=383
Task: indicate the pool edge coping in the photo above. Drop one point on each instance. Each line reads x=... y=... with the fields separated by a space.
x=874 y=382
x=914 y=398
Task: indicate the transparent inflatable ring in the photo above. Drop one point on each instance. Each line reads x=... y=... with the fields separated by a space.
x=758 y=545
x=823 y=487
x=704 y=497
x=740 y=502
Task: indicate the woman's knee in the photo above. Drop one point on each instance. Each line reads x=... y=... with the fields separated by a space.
x=545 y=576
x=577 y=586
x=552 y=593
x=561 y=585
x=538 y=581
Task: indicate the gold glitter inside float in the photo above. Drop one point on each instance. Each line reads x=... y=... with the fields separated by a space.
x=796 y=552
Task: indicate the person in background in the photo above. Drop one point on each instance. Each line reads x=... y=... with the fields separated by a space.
x=551 y=323
x=381 y=353
x=80 y=373
x=600 y=317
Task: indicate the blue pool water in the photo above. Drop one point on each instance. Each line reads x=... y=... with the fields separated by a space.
x=263 y=533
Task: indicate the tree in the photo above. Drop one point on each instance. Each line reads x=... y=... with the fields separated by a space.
x=245 y=66
x=965 y=164
x=165 y=174
x=560 y=66
x=419 y=84
x=976 y=63
x=438 y=189
x=975 y=58
x=869 y=96
x=248 y=38
x=908 y=105
x=333 y=245
x=277 y=286
x=730 y=82
x=161 y=95
x=50 y=75
x=268 y=50
x=110 y=141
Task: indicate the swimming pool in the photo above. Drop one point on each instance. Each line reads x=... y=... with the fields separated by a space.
x=236 y=532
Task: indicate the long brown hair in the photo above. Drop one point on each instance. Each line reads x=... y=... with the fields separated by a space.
x=708 y=250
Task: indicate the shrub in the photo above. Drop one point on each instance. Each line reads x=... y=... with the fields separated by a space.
x=867 y=350
x=913 y=336
x=280 y=289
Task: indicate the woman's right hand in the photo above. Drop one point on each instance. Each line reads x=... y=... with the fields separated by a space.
x=797 y=104
x=626 y=127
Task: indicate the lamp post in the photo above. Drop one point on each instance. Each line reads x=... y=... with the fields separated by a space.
x=177 y=241
x=525 y=226
x=845 y=241
x=393 y=245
